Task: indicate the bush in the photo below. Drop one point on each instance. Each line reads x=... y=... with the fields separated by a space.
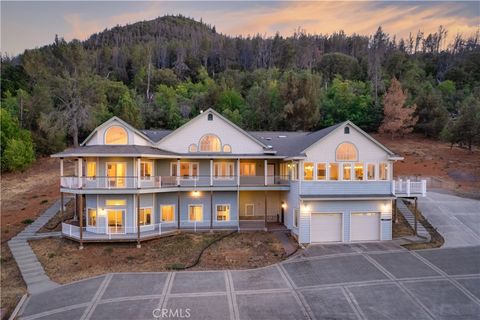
x=18 y=155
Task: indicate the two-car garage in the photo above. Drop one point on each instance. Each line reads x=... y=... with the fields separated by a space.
x=329 y=227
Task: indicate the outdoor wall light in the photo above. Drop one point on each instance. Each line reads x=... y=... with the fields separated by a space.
x=284 y=205
x=196 y=194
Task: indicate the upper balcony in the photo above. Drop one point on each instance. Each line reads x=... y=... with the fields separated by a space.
x=168 y=182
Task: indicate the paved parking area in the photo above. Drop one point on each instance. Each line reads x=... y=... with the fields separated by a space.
x=359 y=281
x=457 y=219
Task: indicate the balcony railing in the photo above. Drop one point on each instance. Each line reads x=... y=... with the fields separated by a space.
x=155 y=182
x=409 y=188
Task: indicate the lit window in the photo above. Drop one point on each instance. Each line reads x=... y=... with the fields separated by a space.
x=145 y=216
x=116 y=135
x=187 y=169
x=91 y=169
x=146 y=169
x=371 y=171
x=346 y=152
x=116 y=202
x=223 y=170
x=308 y=171
x=227 y=148
x=92 y=217
x=383 y=171
x=358 y=171
x=333 y=168
x=223 y=212
x=321 y=171
x=168 y=213
x=247 y=169
x=347 y=170
x=192 y=148
x=195 y=213
x=249 y=209
x=210 y=143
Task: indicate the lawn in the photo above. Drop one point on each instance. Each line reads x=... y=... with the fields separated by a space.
x=64 y=262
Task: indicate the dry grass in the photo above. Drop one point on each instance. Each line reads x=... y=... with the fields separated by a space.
x=13 y=287
x=64 y=262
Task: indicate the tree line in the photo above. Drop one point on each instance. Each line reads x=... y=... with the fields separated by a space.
x=161 y=73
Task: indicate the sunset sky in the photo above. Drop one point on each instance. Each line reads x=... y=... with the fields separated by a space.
x=27 y=25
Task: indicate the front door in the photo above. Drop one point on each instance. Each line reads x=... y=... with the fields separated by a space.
x=116 y=221
x=270 y=173
x=116 y=172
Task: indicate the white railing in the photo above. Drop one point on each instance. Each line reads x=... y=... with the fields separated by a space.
x=409 y=188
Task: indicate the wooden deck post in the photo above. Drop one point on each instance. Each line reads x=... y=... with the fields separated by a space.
x=61 y=204
x=415 y=215
x=80 y=205
x=265 y=192
x=138 y=222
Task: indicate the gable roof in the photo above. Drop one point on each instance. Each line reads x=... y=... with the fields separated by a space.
x=156 y=135
x=112 y=119
x=233 y=125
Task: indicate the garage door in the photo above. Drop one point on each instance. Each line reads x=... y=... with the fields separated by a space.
x=326 y=227
x=365 y=226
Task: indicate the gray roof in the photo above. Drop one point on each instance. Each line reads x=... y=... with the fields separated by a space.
x=113 y=150
x=156 y=135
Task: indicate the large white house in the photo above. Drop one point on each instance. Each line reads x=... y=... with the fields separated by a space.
x=332 y=185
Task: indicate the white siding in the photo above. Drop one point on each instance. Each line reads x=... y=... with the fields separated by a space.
x=346 y=187
x=180 y=140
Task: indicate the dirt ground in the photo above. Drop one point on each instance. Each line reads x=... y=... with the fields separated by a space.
x=64 y=262
x=455 y=169
x=401 y=228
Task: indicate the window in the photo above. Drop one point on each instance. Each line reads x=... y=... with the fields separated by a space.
x=346 y=152
x=249 y=209
x=116 y=202
x=192 y=148
x=91 y=169
x=347 y=171
x=223 y=170
x=145 y=216
x=284 y=170
x=333 y=168
x=195 y=212
x=371 y=171
x=210 y=143
x=227 y=148
x=223 y=212
x=308 y=171
x=167 y=213
x=321 y=171
x=296 y=216
x=187 y=169
x=116 y=135
x=358 y=168
x=92 y=217
x=210 y=117
x=247 y=169
x=383 y=171
x=146 y=169
x=346 y=130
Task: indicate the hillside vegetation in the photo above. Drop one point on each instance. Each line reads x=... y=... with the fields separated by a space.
x=161 y=73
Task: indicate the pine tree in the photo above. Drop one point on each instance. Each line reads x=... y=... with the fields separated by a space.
x=399 y=119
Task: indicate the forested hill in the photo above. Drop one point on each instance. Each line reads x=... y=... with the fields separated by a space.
x=160 y=73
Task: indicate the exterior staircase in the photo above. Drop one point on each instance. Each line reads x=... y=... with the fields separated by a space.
x=409 y=216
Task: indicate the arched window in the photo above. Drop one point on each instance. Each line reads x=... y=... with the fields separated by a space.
x=116 y=135
x=346 y=152
x=192 y=148
x=210 y=117
x=227 y=148
x=210 y=143
x=346 y=130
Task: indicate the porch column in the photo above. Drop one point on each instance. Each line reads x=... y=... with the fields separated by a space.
x=265 y=226
x=80 y=172
x=61 y=204
x=80 y=205
x=61 y=170
x=211 y=211
x=238 y=172
x=139 y=161
x=211 y=172
x=75 y=208
x=265 y=171
x=138 y=221
x=178 y=172
x=178 y=209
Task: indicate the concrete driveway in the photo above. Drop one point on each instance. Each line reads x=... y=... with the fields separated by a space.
x=360 y=281
x=457 y=219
